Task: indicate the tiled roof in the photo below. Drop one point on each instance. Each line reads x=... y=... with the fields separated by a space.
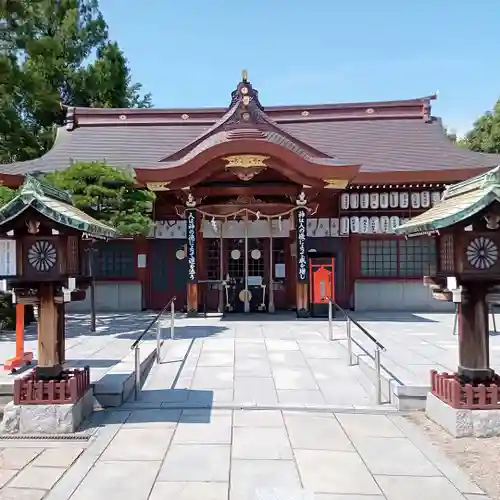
x=54 y=205
x=460 y=202
x=395 y=137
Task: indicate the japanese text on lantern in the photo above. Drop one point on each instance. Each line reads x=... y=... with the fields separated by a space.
x=191 y=245
x=301 y=245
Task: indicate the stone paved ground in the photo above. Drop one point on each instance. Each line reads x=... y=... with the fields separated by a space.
x=29 y=469
x=417 y=343
x=255 y=362
x=158 y=454
x=101 y=350
x=149 y=450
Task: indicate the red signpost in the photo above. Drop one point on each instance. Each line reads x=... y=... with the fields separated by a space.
x=22 y=357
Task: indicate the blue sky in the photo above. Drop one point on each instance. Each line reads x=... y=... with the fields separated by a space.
x=190 y=53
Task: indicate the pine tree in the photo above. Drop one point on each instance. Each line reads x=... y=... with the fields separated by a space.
x=45 y=46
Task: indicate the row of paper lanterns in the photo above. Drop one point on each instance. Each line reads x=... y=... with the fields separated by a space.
x=370 y=225
x=393 y=199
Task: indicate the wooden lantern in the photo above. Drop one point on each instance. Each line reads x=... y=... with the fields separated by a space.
x=466 y=225
x=43 y=238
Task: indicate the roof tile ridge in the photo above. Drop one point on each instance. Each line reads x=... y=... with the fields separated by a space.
x=205 y=135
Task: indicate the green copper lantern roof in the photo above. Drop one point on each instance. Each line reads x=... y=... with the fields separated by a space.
x=56 y=205
x=458 y=203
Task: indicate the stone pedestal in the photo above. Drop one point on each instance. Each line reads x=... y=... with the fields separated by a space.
x=462 y=422
x=47 y=418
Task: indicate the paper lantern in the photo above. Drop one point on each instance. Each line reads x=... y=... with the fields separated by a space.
x=354 y=200
x=364 y=200
x=374 y=201
x=394 y=199
x=354 y=224
x=384 y=200
x=344 y=201
x=415 y=200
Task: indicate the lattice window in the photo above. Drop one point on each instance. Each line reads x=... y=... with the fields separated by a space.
x=115 y=260
x=256 y=266
x=213 y=259
x=411 y=258
x=235 y=267
x=379 y=258
x=447 y=255
x=416 y=257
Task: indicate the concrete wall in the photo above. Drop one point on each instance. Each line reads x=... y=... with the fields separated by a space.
x=396 y=296
x=112 y=296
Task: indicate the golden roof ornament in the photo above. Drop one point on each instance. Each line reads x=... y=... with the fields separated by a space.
x=244 y=76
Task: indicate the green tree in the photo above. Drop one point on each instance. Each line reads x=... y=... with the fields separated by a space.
x=45 y=49
x=485 y=134
x=6 y=195
x=109 y=194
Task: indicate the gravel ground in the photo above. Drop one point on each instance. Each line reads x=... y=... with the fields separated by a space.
x=480 y=458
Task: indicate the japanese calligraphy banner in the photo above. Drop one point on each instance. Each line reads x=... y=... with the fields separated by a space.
x=191 y=216
x=301 y=227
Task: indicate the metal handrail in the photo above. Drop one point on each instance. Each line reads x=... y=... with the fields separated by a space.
x=378 y=346
x=136 y=345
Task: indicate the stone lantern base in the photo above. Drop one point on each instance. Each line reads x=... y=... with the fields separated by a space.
x=464 y=410
x=49 y=406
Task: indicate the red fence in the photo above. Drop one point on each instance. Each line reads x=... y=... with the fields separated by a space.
x=447 y=388
x=29 y=391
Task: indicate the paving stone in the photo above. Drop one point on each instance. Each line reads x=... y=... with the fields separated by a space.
x=253 y=367
x=217 y=431
x=218 y=345
x=332 y=496
x=287 y=358
x=249 y=476
x=138 y=444
x=394 y=456
x=282 y=345
x=258 y=418
x=294 y=378
x=361 y=426
x=58 y=457
x=153 y=419
x=335 y=472
x=261 y=443
x=189 y=491
x=21 y=494
x=205 y=415
x=322 y=350
x=255 y=390
x=213 y=378
x=193 y=462
x=6 y=475
x=110 y=480
x=212 y=396
x=451 y=470
x=37 y=477
x=472 y=497
x=301 y=397
x=214 y=358
x=417 y=488
x=17 y=458
x=313 y=432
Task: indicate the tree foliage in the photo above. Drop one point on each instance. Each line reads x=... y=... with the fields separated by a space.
x=45 y=49
x=108 y=194
x=485 y=134
x=6 y=195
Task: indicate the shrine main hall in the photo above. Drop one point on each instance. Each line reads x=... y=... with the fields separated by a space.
x=268 y=208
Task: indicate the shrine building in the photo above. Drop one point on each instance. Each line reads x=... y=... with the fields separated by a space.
x=269 y=208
